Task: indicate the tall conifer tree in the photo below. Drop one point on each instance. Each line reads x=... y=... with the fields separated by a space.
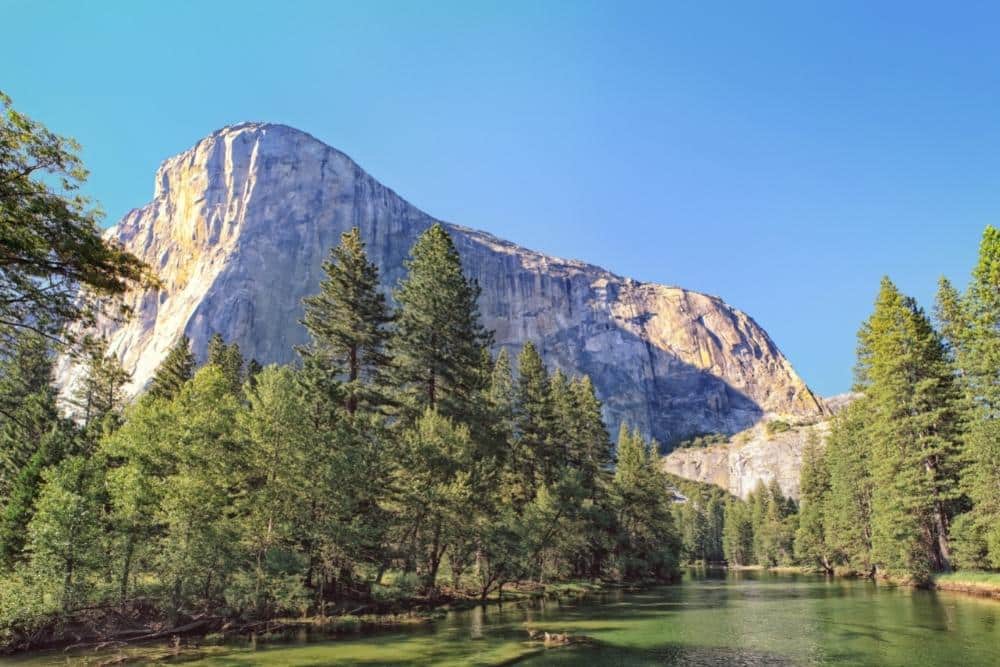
x=347 y=321
x=973 y=327
x=176 y=369
x=904 y=371
x=814 y=488
x=535 y=419
x=438 y=340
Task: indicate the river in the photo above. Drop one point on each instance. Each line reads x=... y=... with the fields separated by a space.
x=716 y=619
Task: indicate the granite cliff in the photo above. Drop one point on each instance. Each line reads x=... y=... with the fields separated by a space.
x=750 y=457
x=240 y=224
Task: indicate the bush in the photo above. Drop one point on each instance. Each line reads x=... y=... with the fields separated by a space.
x=265 y=594
x=703 y=440
x=401 y=587
x=23 y=608
x=777 y=426
x=968 y=543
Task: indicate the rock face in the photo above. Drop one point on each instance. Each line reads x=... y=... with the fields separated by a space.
x=749 y=458
x=240 y=224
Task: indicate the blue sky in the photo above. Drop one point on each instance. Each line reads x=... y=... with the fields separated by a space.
x=781 y=155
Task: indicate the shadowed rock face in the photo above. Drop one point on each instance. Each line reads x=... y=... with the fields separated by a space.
x=240 y=224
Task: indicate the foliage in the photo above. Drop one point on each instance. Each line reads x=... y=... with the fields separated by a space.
x=50 y=239
x=438 y=341
x=814 y=488
x=251 y=495
x=702 y=441
x=347 y=321
x=776 y=426
x=176 y=369
x=647 y=538
x=971 y=325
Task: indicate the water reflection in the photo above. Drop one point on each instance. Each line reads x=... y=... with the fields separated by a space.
x=711 y=619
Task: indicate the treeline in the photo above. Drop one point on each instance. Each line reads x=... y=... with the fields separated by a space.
x=716 y=527
x=397 y=459
x=909 y=481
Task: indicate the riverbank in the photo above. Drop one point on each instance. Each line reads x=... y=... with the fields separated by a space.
x=711 y=617
x=777 y=569
x=984 y=584
x=977 y=583
x=137 y=624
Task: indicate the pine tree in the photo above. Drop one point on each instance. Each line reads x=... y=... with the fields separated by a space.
x=563 y=420
x=253 y=369
x=632 y=456
x=592 y=449
x=176 y=369
x=648 y=544
x=501 y=395
x=232 y=367
x=949 y=310
x=814 y=488
x=716 y=522
x=18 y=510
x=100 y=396
x=847 y=512
x=27 y=405
x=904 y=371
x=973 y=328
x=25 y=368
x=534 y=420
x=229 y=360
x=438 y=340
x=216 y=353
x=737 y=537
x=777 y=528
x=347 y=321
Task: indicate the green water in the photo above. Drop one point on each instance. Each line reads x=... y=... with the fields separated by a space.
x=749 y=619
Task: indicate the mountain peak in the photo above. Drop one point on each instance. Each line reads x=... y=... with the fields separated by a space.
x=241 y=223
x=235 y=147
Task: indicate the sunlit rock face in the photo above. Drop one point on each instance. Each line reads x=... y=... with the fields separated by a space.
x=750 y=458
x=240 y=224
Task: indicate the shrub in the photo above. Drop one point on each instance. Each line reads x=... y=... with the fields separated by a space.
x=777 y=426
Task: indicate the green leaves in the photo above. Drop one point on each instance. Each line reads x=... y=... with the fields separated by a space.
x=50 y=240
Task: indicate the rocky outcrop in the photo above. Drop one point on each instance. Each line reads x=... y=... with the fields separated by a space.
x=749 y=458
x=240 y=224
x=834 y=404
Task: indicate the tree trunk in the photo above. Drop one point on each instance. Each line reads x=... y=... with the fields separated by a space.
x=353 y=373
x=437 y=553
x=126 y=569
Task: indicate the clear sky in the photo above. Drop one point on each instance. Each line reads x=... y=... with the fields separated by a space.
x=781 y=155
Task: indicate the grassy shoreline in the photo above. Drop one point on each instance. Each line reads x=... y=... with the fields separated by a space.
x=983 y=584
x=973 y=582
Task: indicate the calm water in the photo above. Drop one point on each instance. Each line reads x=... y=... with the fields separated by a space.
x=748 y=619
